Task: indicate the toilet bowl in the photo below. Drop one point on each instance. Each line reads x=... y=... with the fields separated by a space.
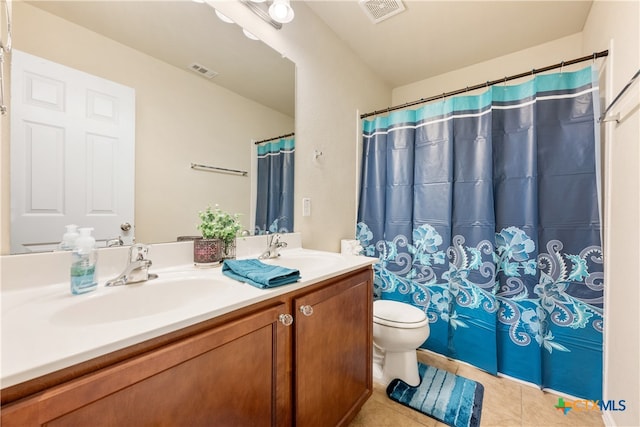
x=398 y=330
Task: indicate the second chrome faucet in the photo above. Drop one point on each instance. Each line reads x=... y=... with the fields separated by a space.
x=137 y=269
x=273 y=248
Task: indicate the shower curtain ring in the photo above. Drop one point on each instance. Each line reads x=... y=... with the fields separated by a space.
x=561 y=67
x=505 y=81
x=533 y=71
x=594 y=57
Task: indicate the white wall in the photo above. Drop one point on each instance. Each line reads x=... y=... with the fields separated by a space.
x=538 y=56
x=180 y=118
x=615 y=25
x=331 y=86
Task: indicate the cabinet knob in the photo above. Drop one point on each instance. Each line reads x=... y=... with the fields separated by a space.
x=307 y=310
x=286 y=319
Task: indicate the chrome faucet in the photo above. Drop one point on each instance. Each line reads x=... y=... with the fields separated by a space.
x=273 y=250
x=137 y=270
x=115 y=242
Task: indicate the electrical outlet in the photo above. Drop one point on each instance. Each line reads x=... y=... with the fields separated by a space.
x=306 y=206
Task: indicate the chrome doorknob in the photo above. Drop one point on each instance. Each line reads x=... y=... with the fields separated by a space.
x=286 y=319
x=307 y=310
x=125 y=226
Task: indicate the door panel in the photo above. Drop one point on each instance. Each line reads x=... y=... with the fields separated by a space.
x=44 y=174
x=333 y=347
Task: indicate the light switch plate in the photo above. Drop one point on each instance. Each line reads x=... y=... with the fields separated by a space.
x=306 y=206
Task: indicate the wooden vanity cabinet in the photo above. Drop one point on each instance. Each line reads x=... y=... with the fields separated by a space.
x=252 y=370
x=333 y=352
x=230 y=375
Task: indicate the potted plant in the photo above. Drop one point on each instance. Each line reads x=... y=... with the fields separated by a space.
x=219 y=230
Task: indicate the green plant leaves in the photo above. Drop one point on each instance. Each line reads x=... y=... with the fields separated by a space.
x=218 y=224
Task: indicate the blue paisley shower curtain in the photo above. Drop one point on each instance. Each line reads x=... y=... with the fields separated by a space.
x=274 y=204
x=484 y=213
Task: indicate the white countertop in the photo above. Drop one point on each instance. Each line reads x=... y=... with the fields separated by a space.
x=46 y=328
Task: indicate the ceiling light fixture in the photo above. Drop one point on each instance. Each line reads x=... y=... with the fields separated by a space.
x=250 y=35
x=281 y=11
x=224 y=17
x=263 y=14
x=277 y=13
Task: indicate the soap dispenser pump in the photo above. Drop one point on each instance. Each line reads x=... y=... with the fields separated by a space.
x=69 y=238
x=83 y=264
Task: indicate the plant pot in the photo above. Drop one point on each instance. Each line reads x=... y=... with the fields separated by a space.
x=207 y=251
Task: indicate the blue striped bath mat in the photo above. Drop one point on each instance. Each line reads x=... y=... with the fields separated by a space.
x=447 y=397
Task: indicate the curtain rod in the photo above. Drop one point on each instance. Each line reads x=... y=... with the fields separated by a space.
x=489 y=83
x=603 y=117
x=274 y=138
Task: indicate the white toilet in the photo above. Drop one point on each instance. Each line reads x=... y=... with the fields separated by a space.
x=398 y=330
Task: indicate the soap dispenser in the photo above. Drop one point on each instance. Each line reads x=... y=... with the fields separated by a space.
x=69 y=238
x=83 y=264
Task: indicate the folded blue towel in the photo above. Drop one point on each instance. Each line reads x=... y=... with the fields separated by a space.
x=259 y=274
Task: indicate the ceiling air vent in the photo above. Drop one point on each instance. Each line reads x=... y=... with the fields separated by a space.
x=202 y=70
x=379 y=10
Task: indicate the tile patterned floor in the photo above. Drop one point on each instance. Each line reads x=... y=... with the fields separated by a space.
x=506 y=403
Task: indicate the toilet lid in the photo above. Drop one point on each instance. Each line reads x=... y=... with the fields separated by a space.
x=387 y=312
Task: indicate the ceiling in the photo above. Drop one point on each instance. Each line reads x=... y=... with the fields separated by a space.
x=434 y=37
x=427 y=39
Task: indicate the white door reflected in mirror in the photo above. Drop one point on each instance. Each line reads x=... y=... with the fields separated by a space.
x=72 y=154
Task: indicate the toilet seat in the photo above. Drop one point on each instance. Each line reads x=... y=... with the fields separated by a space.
x=399 y=315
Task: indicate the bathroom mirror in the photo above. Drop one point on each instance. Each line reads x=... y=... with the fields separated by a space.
x=166 y=51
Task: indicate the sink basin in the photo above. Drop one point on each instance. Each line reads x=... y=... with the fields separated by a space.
x=307 y=263
x=166 y=293
x=176 y=292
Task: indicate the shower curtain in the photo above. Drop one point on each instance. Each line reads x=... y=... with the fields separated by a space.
x=274 y=204
x=484 y=212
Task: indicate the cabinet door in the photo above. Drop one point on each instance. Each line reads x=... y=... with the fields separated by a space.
x=232 y=375
x=333 y=351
